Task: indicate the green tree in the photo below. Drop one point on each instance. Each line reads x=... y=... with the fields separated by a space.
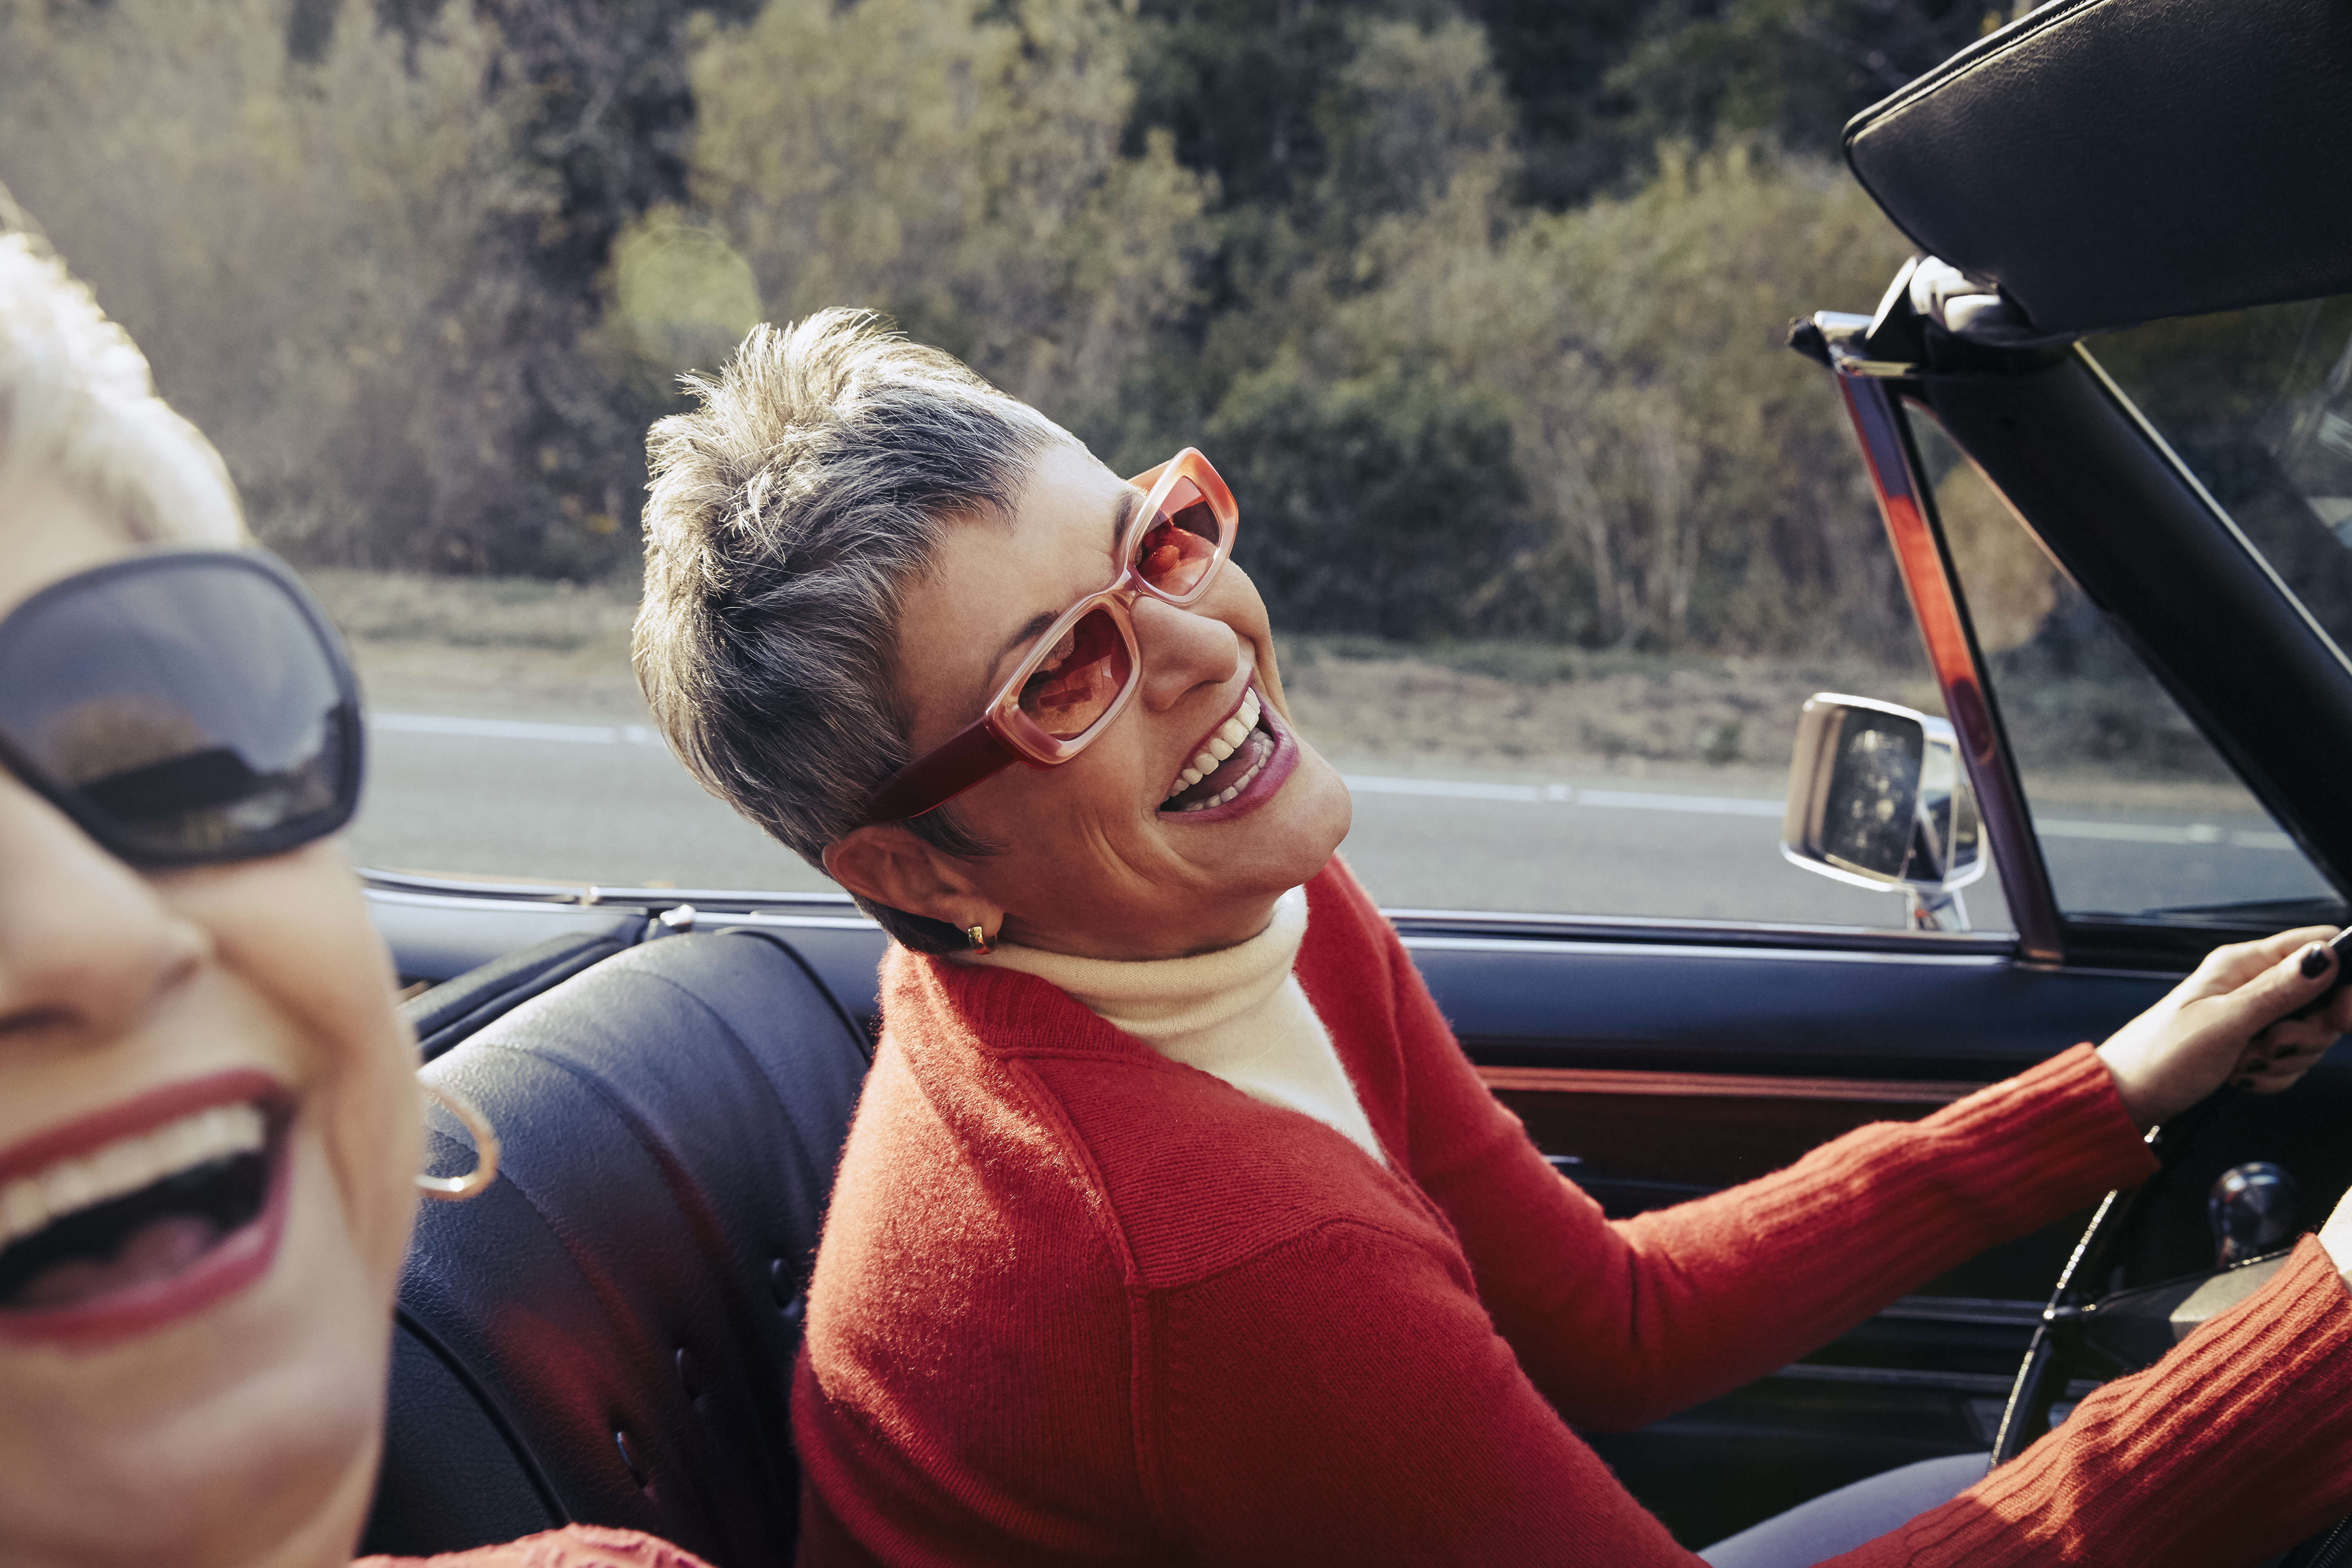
x=1238 y=84
x=1381 y=502
x=958 y=166
x=297 y=246
x=1794 y=71
x=1688 y=482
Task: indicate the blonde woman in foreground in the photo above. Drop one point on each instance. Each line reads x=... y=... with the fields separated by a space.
x=210 y=1130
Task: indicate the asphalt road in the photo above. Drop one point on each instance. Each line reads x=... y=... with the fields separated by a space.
x=606 y=803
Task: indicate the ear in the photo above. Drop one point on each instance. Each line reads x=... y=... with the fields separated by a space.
x=888 y=864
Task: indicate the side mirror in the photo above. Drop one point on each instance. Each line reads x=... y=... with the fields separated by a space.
x=1878 y=797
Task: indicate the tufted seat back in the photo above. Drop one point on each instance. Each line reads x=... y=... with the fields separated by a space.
x=606 y=1335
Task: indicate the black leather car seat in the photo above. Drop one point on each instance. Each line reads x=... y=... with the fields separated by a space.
x=606 y=1335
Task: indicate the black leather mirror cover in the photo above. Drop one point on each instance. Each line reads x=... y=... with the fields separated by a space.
x=2111 y=162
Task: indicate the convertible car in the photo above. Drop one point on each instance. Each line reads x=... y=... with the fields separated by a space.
x=608 y=1335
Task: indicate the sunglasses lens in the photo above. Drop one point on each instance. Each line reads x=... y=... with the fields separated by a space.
x=192 y=708
x=1081 y=676
x=1181 y=545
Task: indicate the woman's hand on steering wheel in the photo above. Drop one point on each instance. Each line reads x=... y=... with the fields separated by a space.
x=2233 y=1021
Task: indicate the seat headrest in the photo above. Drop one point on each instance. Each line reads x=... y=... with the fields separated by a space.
x=624 y=1302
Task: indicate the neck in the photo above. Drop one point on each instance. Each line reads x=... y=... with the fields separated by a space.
x=1230 y=926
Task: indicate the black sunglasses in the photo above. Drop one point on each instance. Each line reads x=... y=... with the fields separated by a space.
x=183 y=706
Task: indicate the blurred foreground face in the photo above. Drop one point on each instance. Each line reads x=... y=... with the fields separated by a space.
x=209 y=1136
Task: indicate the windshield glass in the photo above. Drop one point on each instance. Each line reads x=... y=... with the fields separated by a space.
x=1484 y=331
x=2137 y=814
x=2259 y=404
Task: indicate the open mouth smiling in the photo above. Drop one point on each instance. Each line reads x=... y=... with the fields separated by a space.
x=143 y=1215
x=1227 y=762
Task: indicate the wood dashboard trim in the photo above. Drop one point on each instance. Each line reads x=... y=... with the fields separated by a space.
x=1720 y=1086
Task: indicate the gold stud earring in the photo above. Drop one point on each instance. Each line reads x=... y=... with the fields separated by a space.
x=474 y=1183
x=978 y=937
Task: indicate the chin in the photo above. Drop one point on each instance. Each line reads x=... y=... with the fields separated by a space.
x=220 y=1435
x=1320 y=815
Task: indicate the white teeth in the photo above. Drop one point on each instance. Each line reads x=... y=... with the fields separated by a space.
x=30 y=1203
x=1216 y=749
x=22 y=1212
x=1226 y=795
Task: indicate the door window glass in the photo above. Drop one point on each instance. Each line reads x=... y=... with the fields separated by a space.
x=2137 y=814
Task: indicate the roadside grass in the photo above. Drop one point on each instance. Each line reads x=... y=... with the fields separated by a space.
x=525 y=647
x=478 y=612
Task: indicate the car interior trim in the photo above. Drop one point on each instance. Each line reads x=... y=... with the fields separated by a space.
x=455 y=1008
x=1411 y=923
x=1987 y=1383
x=1909 y=511
x=1965 y=1309
x=1419 y=942
x=1605 y=1081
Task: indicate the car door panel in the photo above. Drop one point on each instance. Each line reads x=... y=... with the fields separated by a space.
x=1690 y=999
x=1655 y=1070
x=1657 y=1062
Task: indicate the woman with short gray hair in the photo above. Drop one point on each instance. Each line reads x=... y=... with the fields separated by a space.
x=1174 y=1226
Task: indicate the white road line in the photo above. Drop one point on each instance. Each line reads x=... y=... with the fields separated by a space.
x=1365 y=784
x=1749 y=805
x=1443 y=789
x=1708 y=805
x=2152 y=833
x=515 y=730
x=1566 y=795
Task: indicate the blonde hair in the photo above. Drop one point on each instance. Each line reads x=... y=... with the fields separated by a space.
x=77 y=402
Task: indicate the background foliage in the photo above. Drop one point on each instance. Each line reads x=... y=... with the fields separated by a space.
x=1478 y=302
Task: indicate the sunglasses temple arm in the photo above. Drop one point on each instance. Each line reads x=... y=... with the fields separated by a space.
x=939 y=775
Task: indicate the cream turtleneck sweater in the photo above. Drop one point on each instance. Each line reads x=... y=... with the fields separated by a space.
x=1236 y=1013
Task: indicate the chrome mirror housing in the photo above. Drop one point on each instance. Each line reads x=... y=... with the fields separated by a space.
x=1878 y=797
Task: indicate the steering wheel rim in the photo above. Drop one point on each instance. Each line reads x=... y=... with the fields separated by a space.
x=2057 y=1350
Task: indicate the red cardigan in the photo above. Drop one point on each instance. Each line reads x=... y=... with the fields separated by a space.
x=1077 y=1302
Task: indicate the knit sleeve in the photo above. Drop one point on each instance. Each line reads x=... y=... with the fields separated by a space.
x=1621 y=1324
x=2235 y=1445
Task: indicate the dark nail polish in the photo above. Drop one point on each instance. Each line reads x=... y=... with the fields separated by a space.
x=2316 y=960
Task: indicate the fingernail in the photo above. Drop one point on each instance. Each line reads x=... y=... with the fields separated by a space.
x=2286 y=1051
x=2315 y=959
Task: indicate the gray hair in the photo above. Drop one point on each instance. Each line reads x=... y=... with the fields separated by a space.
x=77 y=402
x=787 y=514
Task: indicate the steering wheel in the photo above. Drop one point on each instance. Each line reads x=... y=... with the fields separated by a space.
x=2086 y=1337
